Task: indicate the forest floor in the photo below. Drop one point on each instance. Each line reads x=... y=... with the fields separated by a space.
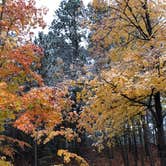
x=95 y=158
x=99 y=159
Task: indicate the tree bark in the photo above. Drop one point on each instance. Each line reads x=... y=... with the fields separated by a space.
x=135 y=149
x=142 y=146
x=160 y=129
x=147 y=145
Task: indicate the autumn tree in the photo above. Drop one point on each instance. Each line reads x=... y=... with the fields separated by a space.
x=18 y=58
x=132 y=35
x=43 y=112
x=17 y=53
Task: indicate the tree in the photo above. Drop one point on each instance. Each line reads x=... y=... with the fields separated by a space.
x=62 y=45
x=135 y=82
x=17 y=53
x=67 y=24
x=43 y=108
x=18 y=57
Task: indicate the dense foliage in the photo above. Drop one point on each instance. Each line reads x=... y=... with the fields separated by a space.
x=61 y=103
x=64 y=53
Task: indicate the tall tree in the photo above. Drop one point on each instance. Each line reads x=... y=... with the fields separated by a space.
x=62 y=45
x=67 y=24
x=18 y=57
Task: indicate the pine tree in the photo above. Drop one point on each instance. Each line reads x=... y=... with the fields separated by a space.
x=62 y=45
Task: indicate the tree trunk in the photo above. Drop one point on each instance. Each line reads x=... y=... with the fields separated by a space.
x=135 y=149
x=146 y=142
x=123 y=152
x=126 y=151
x=160 y=129
x=142 y=146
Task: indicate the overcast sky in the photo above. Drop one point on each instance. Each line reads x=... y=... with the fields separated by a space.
x=52 y=5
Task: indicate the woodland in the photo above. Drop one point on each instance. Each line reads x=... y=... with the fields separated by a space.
x=91 y=91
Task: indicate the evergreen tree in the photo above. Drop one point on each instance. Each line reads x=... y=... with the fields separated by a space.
x=64 y=55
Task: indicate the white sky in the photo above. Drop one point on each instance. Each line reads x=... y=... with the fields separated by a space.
x=52 y=5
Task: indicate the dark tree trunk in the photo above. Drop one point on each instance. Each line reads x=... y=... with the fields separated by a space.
x=135 y=149
x=160 y=129
x=142 y=146
x=122 y=151
x=129 y=139
x=126 y=151
x=147 y=145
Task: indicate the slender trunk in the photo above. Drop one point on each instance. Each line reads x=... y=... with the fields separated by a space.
x=142 y=146
x=123 y=153
x=135 y=149
x=129 y=139
x=35 y=153
x=160 y=130
x=124 y=148
x=147 y=145
x=161 y=145
x=126 y=151
x=154 y=135
x=111 y=152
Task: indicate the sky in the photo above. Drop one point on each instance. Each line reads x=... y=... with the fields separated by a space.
x=52 y=5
